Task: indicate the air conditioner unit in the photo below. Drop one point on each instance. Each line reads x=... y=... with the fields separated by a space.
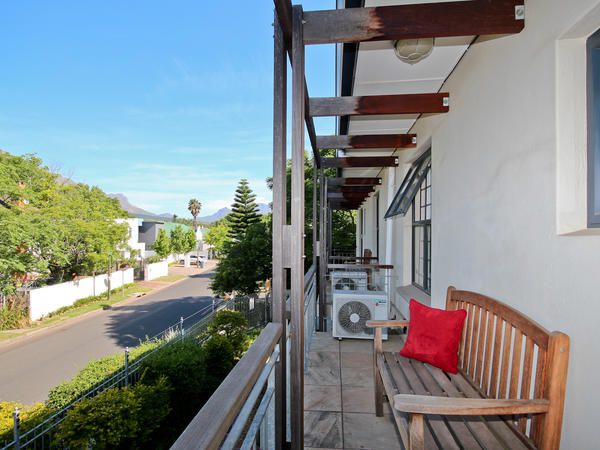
x=352 y=310
x=349 y=281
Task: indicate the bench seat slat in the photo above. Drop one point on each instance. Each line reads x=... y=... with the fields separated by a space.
x=404 y=388
x=472 y=432
x=475 y=435
x=502 y=427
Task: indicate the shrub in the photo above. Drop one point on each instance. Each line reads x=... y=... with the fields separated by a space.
x=233 y=326
x=219 y=358
x=14 y=312
x=30 y=416
x=116 y=418
x=92 y=374
x=182 y=363
x=153 y=259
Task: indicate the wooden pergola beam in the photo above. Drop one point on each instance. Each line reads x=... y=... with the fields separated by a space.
x=380 y=104
x=367 y=141
x=360 y=161
x=348 y=195
x=389 y=23
x=343 y=188
x=365 y=181
x=345 y=205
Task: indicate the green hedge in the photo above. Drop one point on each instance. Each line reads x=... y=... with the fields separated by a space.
x=116 y=418
x=92 y=374
x=175 y=382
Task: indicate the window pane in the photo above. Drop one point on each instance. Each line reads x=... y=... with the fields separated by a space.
x=409 y=187
x=593 y=46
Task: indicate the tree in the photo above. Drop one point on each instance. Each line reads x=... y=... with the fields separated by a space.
x=244 y=211
x=162 y=244
x=52 y=228
x=194 y=206
x=190 y=242
x=245 y=262
x=218 y=236
x=178 y=240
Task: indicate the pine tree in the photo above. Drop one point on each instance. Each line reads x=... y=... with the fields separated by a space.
x=244 y=211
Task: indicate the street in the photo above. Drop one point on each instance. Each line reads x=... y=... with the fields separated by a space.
x=32 y=366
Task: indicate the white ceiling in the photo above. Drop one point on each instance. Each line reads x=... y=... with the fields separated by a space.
x=379 y=71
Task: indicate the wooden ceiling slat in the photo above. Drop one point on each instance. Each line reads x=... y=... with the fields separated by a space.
x=344 y=188
x=380 y=104
x=368 y=141
x=362 y=161
x=388 y=23
x=348 y=195
x=365 y=181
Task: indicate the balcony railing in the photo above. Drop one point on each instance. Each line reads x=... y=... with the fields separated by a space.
x=240 y=412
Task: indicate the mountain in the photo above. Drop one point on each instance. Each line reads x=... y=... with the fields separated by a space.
x=136 y=211
x=263 y=208
x=130 y=208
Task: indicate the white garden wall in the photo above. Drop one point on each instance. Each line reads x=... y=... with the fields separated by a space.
x=47 y=299
x=156 y=270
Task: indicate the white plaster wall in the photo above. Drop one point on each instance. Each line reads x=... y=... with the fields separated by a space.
x=156 y=270
x=495 y=198
x=44 y=300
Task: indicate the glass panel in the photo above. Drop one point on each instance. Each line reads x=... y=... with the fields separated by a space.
x=595 y=150
x=409 y=187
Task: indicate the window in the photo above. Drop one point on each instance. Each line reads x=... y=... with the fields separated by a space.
x=421 y=234
x=410 y=185
x=593 y=106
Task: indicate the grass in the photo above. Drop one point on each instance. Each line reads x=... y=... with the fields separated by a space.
x=169 y=278
x=79 y=308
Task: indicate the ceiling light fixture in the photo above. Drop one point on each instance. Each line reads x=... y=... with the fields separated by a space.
x=412 y=51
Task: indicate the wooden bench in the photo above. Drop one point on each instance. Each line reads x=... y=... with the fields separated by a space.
x=509 y=392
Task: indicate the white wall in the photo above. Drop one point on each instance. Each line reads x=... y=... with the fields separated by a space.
x=496 y=198
x=156 y=270
x=47 y=299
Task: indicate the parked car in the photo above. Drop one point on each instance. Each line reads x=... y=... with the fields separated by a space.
x=195 y=260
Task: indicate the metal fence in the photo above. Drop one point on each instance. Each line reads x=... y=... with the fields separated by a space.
x=41 y=435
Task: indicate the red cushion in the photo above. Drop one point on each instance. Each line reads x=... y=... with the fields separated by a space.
x=434 y=336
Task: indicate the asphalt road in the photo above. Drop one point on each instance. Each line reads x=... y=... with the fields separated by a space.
x=30 y=367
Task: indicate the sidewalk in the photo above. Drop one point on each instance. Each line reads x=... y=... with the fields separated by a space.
x=138 y=290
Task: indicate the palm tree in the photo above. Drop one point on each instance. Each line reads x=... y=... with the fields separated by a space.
x=195 y=206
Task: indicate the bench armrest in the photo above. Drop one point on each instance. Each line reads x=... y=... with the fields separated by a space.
x=450 y=406
x=387 y=323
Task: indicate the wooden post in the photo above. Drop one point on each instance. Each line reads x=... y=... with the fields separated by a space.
x=556 y=383
x=279 y=221
x=377 y=350
x=297 y=233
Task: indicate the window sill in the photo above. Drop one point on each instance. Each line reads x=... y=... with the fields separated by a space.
x=404 y=294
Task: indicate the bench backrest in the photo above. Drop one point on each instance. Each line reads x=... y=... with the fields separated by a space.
x=508 y=355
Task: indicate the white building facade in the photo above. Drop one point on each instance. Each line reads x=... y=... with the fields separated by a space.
x=504 y=207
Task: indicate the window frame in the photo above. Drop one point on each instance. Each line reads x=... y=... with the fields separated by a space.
x=410 y=185
x=422 y=222
x=593 y=129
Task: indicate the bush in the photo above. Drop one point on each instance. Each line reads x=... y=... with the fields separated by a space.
x=14 y=313
x=232 y=325
x=29 y=416
x=92 y=374
x=153 y=259
x=116 y=418
x=219 y=358
x=182 y=363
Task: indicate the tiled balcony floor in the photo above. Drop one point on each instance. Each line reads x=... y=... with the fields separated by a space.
x=339 y=406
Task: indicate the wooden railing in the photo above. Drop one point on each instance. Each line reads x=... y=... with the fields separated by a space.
x=232 y=410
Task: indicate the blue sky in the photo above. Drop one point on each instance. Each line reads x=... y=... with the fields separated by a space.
x=162 y=101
